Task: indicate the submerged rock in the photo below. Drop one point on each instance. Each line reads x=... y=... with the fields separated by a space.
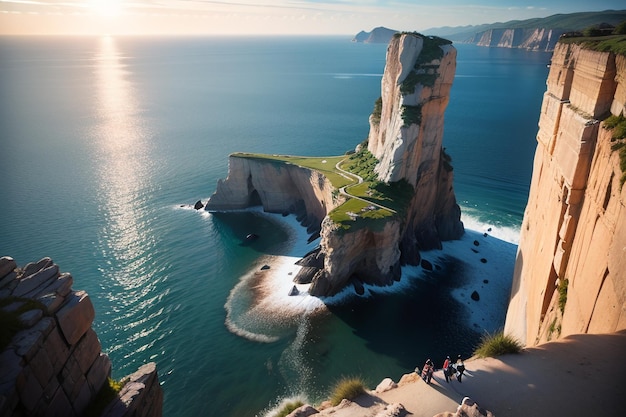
x=426 y=265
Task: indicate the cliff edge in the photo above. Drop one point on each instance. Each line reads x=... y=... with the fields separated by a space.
x=405 y=142
x=570 y=272
x=51 y=361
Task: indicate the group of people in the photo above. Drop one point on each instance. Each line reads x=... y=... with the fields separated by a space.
x=450 y=369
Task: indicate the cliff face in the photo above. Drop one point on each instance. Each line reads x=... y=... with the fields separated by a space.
x=54 y=366
x=406 y=140
x=279 y=188
x=574 y=230
x=405 y=148
x=538 y=39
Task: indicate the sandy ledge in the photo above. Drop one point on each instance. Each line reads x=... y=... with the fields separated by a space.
x=580 y=375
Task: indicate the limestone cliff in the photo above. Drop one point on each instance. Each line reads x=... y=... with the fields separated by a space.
x=278 y=187
x=406 y=139
x=570 y=273
x=52 y=364
x=535 y=39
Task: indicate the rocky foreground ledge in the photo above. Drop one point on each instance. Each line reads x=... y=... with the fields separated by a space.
x=53 y=364
x=579 y=375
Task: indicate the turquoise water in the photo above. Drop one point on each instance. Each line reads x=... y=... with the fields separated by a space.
x=104 y=139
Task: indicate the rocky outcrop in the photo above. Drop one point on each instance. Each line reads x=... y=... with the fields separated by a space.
x=570 y=272
x=536 y=39
x=53 y=364
x=406 y=139
x=278 y=187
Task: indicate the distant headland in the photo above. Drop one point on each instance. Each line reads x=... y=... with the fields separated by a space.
x=380 y=34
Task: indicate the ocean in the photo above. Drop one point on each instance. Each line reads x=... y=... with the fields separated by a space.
x=106 y=141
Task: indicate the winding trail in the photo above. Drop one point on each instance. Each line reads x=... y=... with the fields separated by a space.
x=352 y=177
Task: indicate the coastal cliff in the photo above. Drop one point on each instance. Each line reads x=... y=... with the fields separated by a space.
x=535 y=39
x=52 y=363
x=405 y=138
x=570 y=272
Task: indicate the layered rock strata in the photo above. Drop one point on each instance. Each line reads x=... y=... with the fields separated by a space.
x=570 y=272
x=54 y=365
x=537 y=39
x=406 y=139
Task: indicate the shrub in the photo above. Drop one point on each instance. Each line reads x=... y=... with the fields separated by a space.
x=362 y=163
x=562 y=288
x=107 y=393
x=492 y=345
x=348 y=388
x=378 y=108
x=288 y=408
x=412 y=115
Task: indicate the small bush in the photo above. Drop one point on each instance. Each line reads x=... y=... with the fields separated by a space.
x=362 y=163
x=492 y=345
x=562 y=294
x=378 y=108
x=412 y=115
x=348 y=388
x=107 y=393
x=288 y=408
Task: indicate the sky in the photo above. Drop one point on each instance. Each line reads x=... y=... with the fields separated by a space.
x=270 y=17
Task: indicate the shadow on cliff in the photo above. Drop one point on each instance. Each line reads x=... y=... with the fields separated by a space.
x=579 y=375
x=421 y=321
x=253 y=230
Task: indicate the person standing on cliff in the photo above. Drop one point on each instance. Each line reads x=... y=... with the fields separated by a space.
x=460 y=367
x=446 y=365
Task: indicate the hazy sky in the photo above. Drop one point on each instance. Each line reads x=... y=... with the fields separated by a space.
x=269 y=17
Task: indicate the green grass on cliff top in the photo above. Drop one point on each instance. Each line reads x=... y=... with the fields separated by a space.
x=611 y=43
x=325 y=165
x=354 y=213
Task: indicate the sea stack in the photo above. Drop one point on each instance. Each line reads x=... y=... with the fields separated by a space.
x=406 y=133
x=570 y=272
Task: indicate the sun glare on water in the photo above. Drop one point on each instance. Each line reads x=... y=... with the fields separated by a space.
x=106 y=7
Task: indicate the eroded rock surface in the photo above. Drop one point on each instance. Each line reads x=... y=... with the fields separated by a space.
x=574 y=230
x=54 y=366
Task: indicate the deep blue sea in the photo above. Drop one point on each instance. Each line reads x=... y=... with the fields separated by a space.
x=103 y=139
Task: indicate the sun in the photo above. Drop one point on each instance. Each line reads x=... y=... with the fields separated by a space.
x=106 y=7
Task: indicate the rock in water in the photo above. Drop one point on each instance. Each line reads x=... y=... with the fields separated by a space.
x=198 y=205
x=294 y=291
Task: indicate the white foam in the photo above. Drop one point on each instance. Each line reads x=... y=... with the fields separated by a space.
x=510 y=234
x=487 y=313
x=276 y=305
